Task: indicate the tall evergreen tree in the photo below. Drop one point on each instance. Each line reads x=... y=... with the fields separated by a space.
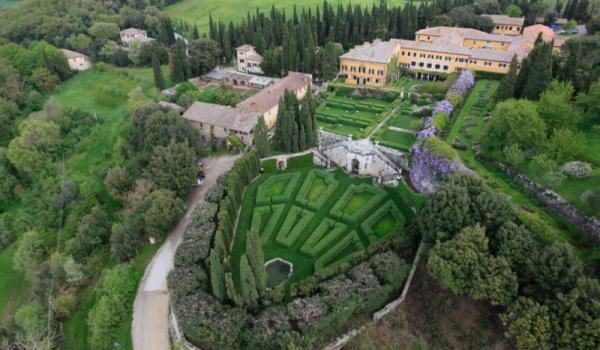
x=261 y=138
x=256 y=259
x=159 y=80
x=217 y=276
x=540 y=73
x=506 y=89
x=195 y=34
x=248 y=284
x=181 y=68
x=232 y=293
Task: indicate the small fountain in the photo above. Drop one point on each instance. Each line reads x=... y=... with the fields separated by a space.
x=278 y=270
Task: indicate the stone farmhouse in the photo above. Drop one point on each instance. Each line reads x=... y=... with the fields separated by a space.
x=130 y=35
x=248 y=60
x=77 y=61
x=506 y=25
x=219 y=121
x=438 y=51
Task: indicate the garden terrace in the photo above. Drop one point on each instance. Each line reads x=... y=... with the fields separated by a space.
x=320 y=220
x=356 y=115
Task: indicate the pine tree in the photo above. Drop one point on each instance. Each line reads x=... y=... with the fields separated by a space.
x=508 y=83
x=248 y=284
x=256 y=259
x=232 y=293
x=261 y=138
x=217 y=276
x=159 y=80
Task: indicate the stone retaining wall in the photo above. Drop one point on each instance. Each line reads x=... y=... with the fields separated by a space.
x=588 y=224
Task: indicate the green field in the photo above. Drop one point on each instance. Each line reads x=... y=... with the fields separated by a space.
x=344 y=115
x=102 y=93
x=322 y=220
x=198 y=11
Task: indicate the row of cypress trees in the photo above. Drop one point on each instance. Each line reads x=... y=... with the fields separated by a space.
x=296 y=126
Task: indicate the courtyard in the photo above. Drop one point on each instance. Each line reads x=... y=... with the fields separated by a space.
x=313 y=218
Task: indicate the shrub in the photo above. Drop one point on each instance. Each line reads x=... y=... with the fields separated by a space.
x=316 y=204
x=351 y=240
x=263 y=195
x=576 y=169
x=416 y=125
x=389 y=268
x=269 y=165
x=294 y=224
x=185 y=87
x=300 y=161
x=322 y=237
x=235 y=142
x=265 y=219
x=440 y=121
x=455 y=99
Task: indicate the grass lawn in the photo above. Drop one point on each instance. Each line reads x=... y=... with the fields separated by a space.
x=402 y=119
x=344 y=115
x=335 y=232
x=103 y=94
x=399 y=140
x=198 y=11
x=384 y=225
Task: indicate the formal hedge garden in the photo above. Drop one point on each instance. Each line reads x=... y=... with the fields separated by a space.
x=345 y=266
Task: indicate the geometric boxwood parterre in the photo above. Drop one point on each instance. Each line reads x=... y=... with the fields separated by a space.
x=264 y=220
x=387 y=219
x=343 y=249
x=294 y=224
x=277 y=188
x=327 y=233
x=312 y=195
x=363 y=198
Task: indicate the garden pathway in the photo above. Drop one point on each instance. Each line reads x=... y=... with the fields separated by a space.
x=390 y=113
x=150 y=326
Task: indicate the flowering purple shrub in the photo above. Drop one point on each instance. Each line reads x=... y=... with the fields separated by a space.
x=443 y=106
x=463 y=84
x=430 y=164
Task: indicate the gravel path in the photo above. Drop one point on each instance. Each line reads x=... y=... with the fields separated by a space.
x=150 y=327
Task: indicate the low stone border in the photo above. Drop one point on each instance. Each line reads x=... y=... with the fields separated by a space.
x=285 y=262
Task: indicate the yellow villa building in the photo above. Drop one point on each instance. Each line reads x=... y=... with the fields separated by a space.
x=506 y=25
x=438 y=51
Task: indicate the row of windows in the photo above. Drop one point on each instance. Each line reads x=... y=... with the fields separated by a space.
x=434 y=57
x=367 y=80
x=445 y=67
x=361 y=69
x=507 y=27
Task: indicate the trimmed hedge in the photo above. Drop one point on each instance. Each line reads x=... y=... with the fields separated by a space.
x=300 y=162
x=350 y=241
x=295 y=222
x=269 y=165
x=262 y=197
x=330 y=181
x=388 y=208
x=338 y=209
x=265 y=226
x=322 y=237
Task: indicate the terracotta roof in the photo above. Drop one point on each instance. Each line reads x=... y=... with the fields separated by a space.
x=221 y=116
x=245 y=47
x=268 y=97
x=506 y=20
x=255 y=57
x=456 y=35
x=492 y=55
x=433 y=47
x=476 y=34
x=72 y=54
x=532 y=32
x=378 y=51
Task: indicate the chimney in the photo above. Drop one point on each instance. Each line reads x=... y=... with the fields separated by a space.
x=253 y=106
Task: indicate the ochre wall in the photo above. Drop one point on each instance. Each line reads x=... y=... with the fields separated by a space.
x=507 y=29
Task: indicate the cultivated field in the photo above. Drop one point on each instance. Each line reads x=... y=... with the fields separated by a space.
x=315 y=218
x=198 y=11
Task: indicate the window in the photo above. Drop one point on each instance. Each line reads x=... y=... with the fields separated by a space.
x=369 y=80
x=371 y=71
x=428 y=65
x=353 y=69
x=510 y=28
x=438 y=57
x=430 y=56
x=422 y=55
x=413 y=63
x=487 y=63
x=502 y=65
x=415 y=54
x=437 y=66
x=448 y=58
x=420 y=64
x=377 y=81
x=402 y=53
x=445 y=67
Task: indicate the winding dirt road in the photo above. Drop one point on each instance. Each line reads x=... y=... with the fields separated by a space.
x=150 y=326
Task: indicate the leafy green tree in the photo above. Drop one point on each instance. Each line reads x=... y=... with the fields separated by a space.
x=248 y=284
x=8 y=111
x=232 y=293
x=515 y=122
x=507 y=86
x=261 y=138
x=118 y=182
x=173 y=167
x=555 y=107
x=125 y=241
x=33 y=321
x=29 y=254
x=104 y=30
x=590 y=101
x=332 y=52
x=217 y=275
x=565 y=145
x=204 y=55
x=529 y=323
x=513 y=10
x=464 y=265
x=34 y=147
x=43 y=79
x=12 y=84
x=164 y=212
x=256 y=259
x=159 y=80
x=95 y=227
x=271 y=63
x=513 y=155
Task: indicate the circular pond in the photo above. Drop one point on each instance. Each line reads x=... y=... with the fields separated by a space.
x=278 y=271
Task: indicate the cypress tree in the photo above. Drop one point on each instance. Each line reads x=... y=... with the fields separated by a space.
x=295 y=134
x=232 y=293
x=540 y=73
x=195 y=34
x=182 y=69
x=256 y=259
x=159 y=80
x=507 y=86
x=248 y=284
x=217 y=276
x=261 y=138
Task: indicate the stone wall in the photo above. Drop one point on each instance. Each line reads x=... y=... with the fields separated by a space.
x=397 y=157
x=588 y=224
x=327 y=139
